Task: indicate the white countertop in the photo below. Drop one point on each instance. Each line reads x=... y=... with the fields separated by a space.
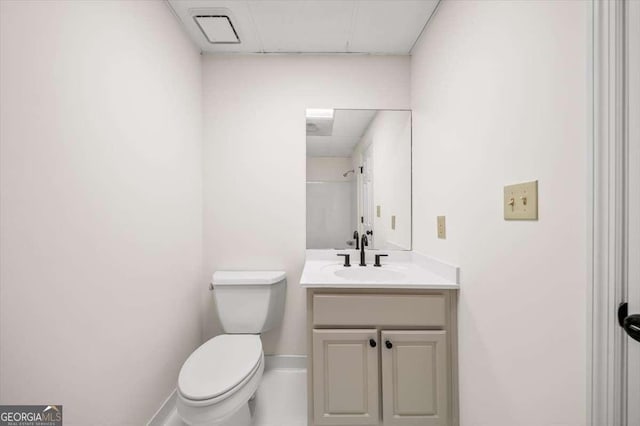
x=400 y=270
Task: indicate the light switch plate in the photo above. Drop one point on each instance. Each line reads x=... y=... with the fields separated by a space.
x=442 y=228
x=521 y=201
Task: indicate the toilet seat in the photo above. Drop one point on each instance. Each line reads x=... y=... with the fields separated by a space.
x=219 y=367
x=222 y=410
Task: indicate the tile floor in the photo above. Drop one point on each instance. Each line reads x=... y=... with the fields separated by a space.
x=281 y=399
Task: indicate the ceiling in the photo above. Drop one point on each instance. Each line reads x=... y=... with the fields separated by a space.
x=348 y=127
x=312 y=26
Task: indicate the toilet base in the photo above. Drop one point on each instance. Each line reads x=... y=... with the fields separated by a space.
x=241 y=418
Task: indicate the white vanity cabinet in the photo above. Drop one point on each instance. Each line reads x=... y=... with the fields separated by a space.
x=382 y=357
x=414 y=377
x=345 y=372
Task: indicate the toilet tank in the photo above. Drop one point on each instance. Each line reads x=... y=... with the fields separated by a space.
x=249 y=302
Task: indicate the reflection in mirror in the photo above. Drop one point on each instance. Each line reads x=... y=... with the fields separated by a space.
x=358 y=178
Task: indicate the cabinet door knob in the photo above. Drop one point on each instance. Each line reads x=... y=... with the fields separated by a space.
x=372 y=343
x=388 y=344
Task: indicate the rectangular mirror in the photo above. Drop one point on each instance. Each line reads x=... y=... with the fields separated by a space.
x=358 y=178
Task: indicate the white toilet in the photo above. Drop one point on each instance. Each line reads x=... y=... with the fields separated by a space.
x=218 y=379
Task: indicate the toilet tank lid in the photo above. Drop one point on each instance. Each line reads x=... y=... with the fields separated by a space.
x=247 y=277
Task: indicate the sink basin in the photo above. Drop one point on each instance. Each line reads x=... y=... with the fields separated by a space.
x=369 y=274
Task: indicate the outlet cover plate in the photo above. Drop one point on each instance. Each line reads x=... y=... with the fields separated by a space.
x=442 y=228
x=521 y=201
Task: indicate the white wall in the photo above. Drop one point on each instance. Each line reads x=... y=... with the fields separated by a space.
x=499 y=96
x=254 y=161
x=101 y=206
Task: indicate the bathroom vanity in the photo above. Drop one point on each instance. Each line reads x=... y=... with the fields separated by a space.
x=382 y=341
x=381 y=319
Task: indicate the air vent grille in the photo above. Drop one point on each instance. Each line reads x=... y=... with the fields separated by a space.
x=217 y=29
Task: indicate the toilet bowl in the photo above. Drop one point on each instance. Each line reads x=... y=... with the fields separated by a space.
x=219 y=378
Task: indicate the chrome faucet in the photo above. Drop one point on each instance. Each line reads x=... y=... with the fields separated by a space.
x=364 y=242
x=355 y=237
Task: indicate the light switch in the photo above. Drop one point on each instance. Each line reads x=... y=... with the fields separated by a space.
x=378 y=211
x=393 y=222
x=442 y=228
x=521 y=201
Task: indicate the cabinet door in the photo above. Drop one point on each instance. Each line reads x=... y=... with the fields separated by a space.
x=345 y=377
x=414 y=378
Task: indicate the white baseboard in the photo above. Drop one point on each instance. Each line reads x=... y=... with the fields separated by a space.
x=295 y=362
x=285 y=361
x=161 y=416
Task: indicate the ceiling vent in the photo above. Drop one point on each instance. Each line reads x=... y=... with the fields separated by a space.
x=217 y=28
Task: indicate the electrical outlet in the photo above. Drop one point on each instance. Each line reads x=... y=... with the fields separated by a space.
x=442 y=228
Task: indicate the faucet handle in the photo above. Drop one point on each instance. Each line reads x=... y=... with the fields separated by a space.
x=378 y=256
x=347 y=260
